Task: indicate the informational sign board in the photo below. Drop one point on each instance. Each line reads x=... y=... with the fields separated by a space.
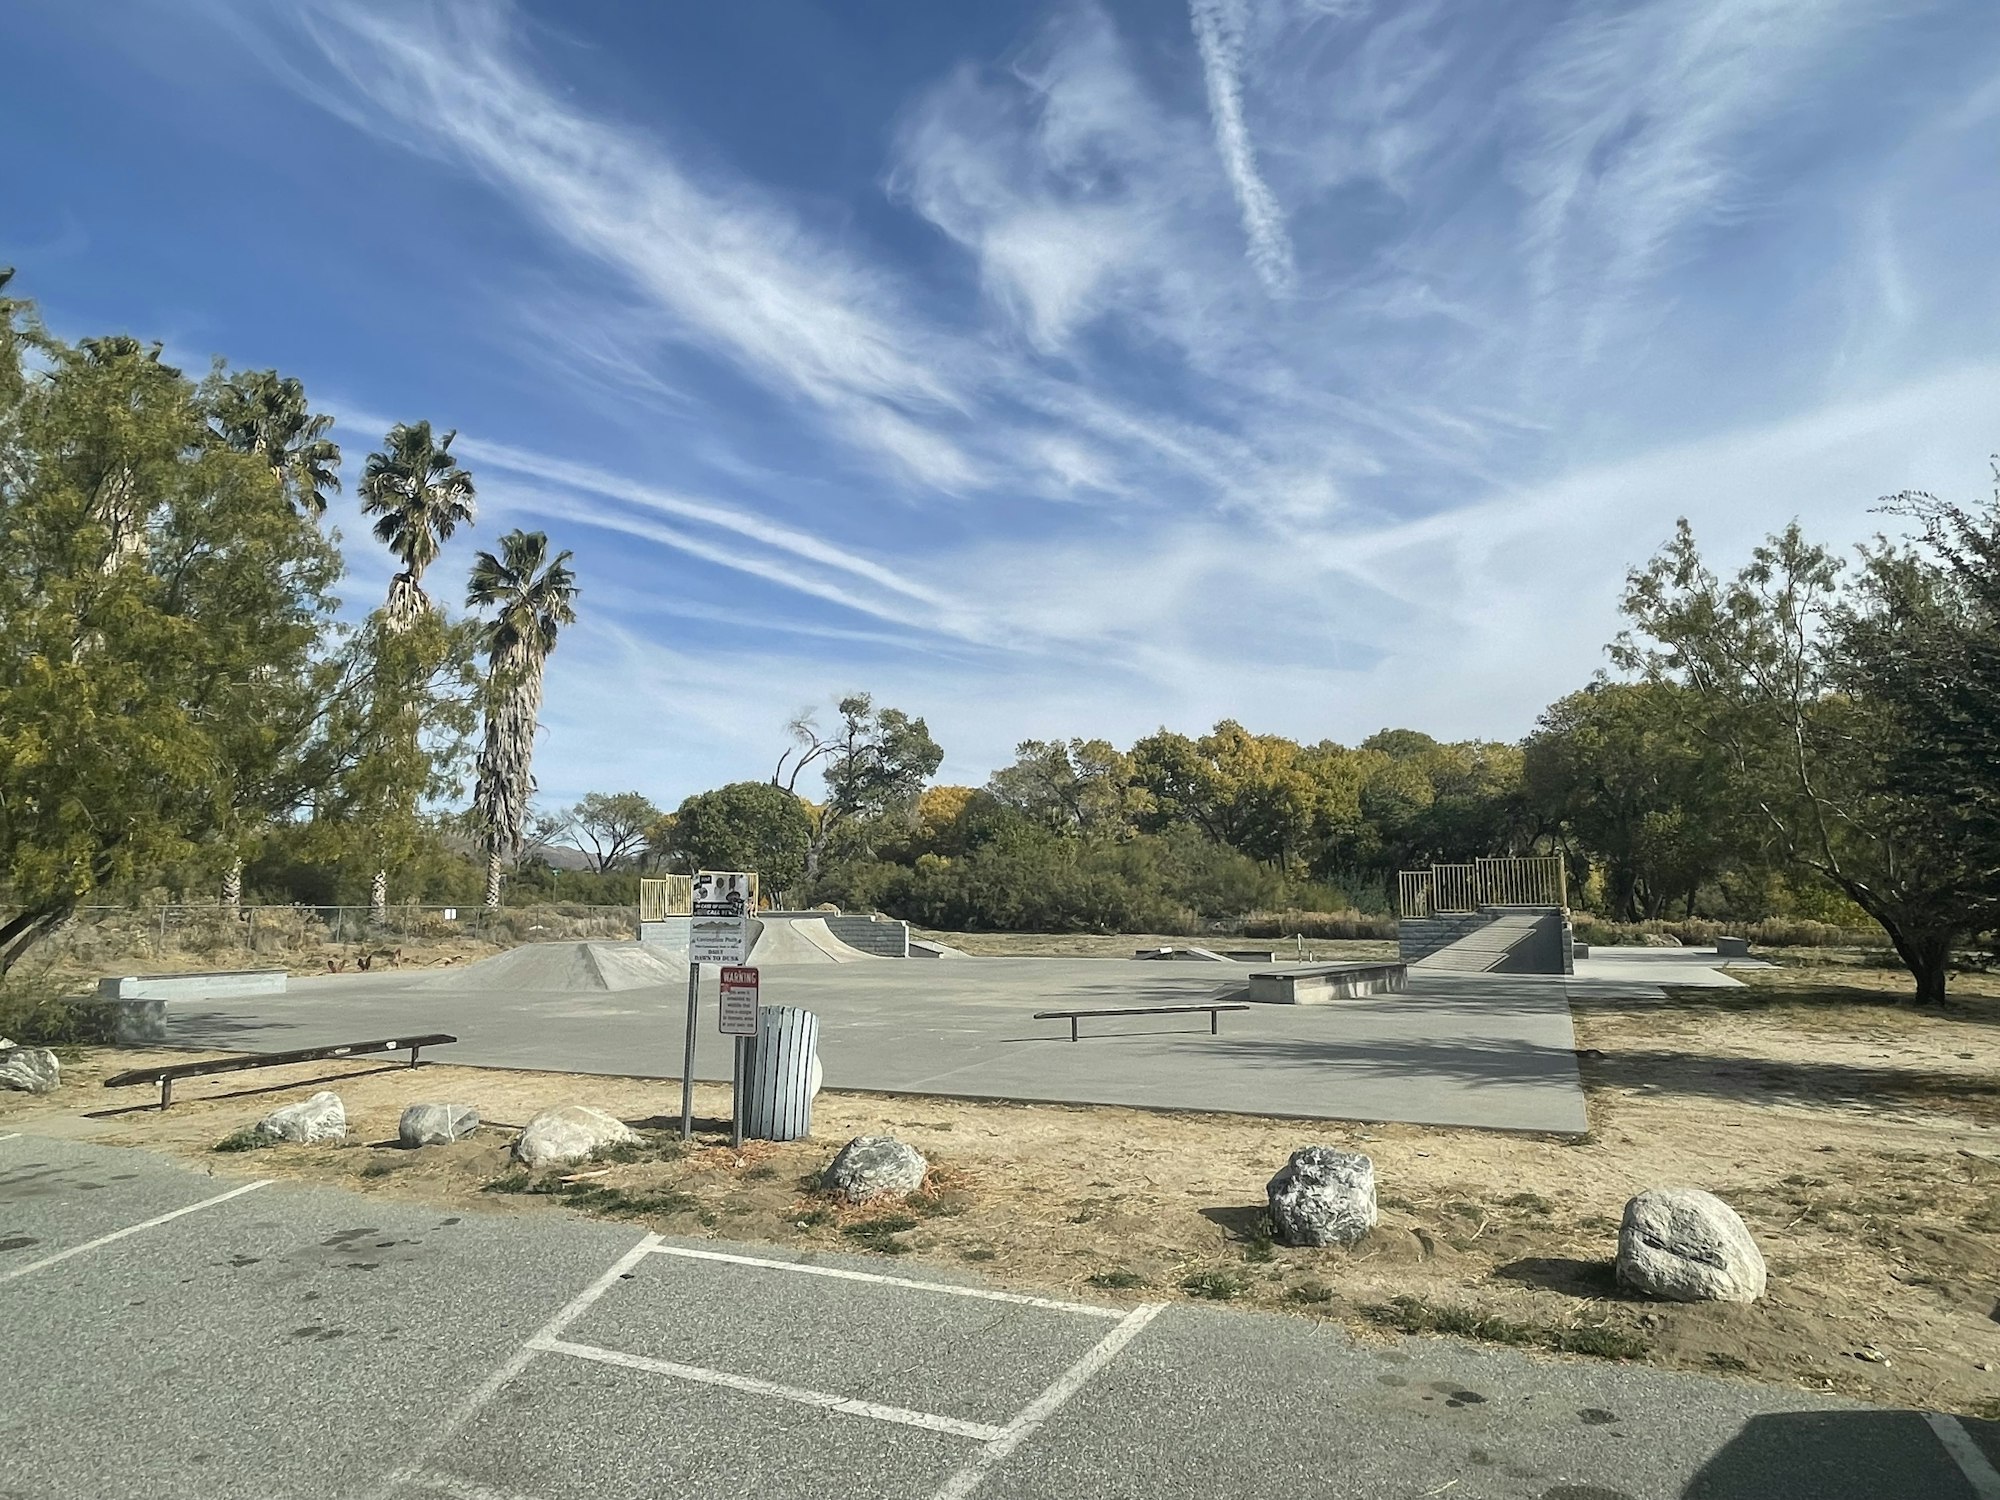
x=739 y=1002
x=722 y=902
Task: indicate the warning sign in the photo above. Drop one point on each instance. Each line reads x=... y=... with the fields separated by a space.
x=739 y=1002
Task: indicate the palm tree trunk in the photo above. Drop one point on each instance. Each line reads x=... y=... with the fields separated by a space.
x=232 y=885
x=493 y=880
x=378 y=898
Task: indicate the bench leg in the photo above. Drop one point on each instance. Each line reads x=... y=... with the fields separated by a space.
x=1215 y=1023
x=166 y=1092
x=1072 y=1028
x=413 y=1057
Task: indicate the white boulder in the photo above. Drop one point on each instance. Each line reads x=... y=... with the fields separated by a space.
x=436 y=1124
x=30 y=1070
x=321 y=1118
x=876 y=1166
x=1322 y=1197
x=569 y=1133
x=1688 y=1246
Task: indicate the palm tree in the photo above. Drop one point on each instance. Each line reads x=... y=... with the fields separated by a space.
x=265 y=414
x=532 y=596
x=419 y=495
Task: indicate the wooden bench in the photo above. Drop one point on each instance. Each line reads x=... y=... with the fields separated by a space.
x=1073 y=1016
x=166 y=1076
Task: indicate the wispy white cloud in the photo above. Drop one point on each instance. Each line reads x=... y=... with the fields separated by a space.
x=1404 y=491
x=1218 y=31
x=1636 y=125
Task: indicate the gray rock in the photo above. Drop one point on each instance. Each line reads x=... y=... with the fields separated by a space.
x=30 y=1070
x=321 y=1118
x=875 y=1166
x=1322 y=1197
x=436 y=1124
x=1688 y=1246
x=569 y=1133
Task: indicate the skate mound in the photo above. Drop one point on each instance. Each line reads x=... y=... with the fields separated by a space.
x=800 y=940
x=565 y=968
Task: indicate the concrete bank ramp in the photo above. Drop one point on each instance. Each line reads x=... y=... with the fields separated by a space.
x=800 y=940
x=564 y=969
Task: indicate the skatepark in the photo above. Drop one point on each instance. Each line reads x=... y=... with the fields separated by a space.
x=1449 y=1048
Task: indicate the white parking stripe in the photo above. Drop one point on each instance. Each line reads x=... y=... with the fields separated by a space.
x=1044 y=1406
x=1972 y=1463
x=979 y=1432
x=981 y=1293
x=463 y=1489
x=119 y=1234
x=11 y=1136
x=413 y=1472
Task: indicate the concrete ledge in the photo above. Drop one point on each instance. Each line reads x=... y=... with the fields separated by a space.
x=1323 y=986
x=224 y=984
x=1732 y=947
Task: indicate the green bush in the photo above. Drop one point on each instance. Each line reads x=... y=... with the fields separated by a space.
x=42 y=1013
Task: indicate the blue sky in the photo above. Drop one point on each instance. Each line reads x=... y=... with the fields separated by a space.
x=1058 y=368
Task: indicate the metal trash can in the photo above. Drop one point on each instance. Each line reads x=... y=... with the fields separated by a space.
x=781 y=1074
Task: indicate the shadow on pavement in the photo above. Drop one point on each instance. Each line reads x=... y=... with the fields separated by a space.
x=1839 y=1455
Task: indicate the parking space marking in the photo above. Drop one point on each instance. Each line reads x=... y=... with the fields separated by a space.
x=979 y=1432
x=11 y=1136
x=439 y=1483
x=119 y=1234
x=1972 y=1463
x=996 y=1442
x=983 y=1294
x=414 y=1472
x=1046 y=1405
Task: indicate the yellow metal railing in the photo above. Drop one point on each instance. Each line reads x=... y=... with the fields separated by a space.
x=672 y=896
x=1523 y=880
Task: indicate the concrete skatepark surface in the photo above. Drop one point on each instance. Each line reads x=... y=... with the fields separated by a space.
x=1454 y=1049
x=194 y=1335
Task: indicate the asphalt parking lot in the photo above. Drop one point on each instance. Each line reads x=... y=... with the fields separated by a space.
x=170 y=1332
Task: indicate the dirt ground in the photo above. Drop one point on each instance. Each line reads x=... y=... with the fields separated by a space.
x=1856 y=1136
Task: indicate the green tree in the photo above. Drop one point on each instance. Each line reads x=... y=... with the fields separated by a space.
x=532 y=597
x=747 y=825
x=1926 y=645
x=614 y=826
x=419 y=496
x=874 y=764
x=1076 y=786
x=1619 y=773
x=1764 y=655
x=171 y=670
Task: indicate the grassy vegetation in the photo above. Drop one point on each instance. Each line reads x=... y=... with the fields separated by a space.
x=1416 y=1315
x=1215 y=1286
x=1120 y=1279
x=879 y=1234
x=249 y=1138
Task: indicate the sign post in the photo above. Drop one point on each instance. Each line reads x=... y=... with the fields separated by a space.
x=738 y=1019
x=716 y=933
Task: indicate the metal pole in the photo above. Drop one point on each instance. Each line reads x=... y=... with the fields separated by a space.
x=736 y=1099
x=687 y=1057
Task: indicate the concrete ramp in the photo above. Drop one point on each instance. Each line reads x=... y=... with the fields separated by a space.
x=800 y=940
x=925 y=948
x=563 y=969
x=1499 y=947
